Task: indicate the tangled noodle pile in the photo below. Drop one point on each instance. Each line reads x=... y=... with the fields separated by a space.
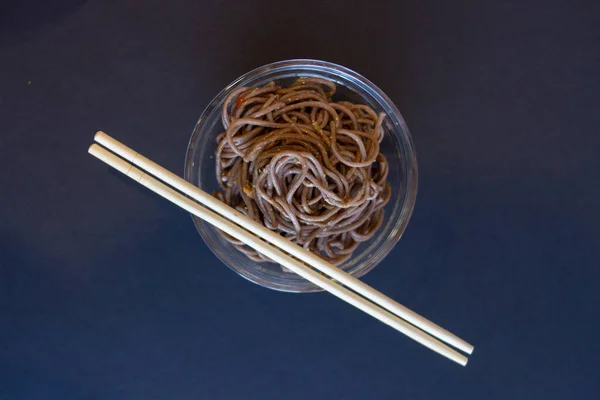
x=303 y=165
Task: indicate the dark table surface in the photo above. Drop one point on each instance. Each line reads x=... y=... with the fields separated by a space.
x=108 y=292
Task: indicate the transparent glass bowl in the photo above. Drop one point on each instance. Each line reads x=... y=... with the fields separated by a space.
x=397 y=146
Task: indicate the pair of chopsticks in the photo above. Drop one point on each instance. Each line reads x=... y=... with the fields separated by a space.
x=279 y=249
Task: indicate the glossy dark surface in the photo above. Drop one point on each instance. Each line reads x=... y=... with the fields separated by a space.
x=107 y=291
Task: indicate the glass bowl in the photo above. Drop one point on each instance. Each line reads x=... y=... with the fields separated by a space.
x=397 y=146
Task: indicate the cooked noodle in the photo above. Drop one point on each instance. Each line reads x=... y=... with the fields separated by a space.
x=303 y=166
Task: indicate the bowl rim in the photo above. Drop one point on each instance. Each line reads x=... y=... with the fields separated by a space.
x=318 y=66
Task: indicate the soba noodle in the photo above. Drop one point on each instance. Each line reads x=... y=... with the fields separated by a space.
x=303 y=165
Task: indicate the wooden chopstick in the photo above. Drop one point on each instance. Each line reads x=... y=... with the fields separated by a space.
x=283 y=243
x=275 y=254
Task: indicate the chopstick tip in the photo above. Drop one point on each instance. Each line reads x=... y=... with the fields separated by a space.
x=98 y=135
x=92 y=148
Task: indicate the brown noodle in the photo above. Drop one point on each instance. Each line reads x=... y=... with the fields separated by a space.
x=303 y=166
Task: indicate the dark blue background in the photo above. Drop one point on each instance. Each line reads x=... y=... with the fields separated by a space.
x=108 y=292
